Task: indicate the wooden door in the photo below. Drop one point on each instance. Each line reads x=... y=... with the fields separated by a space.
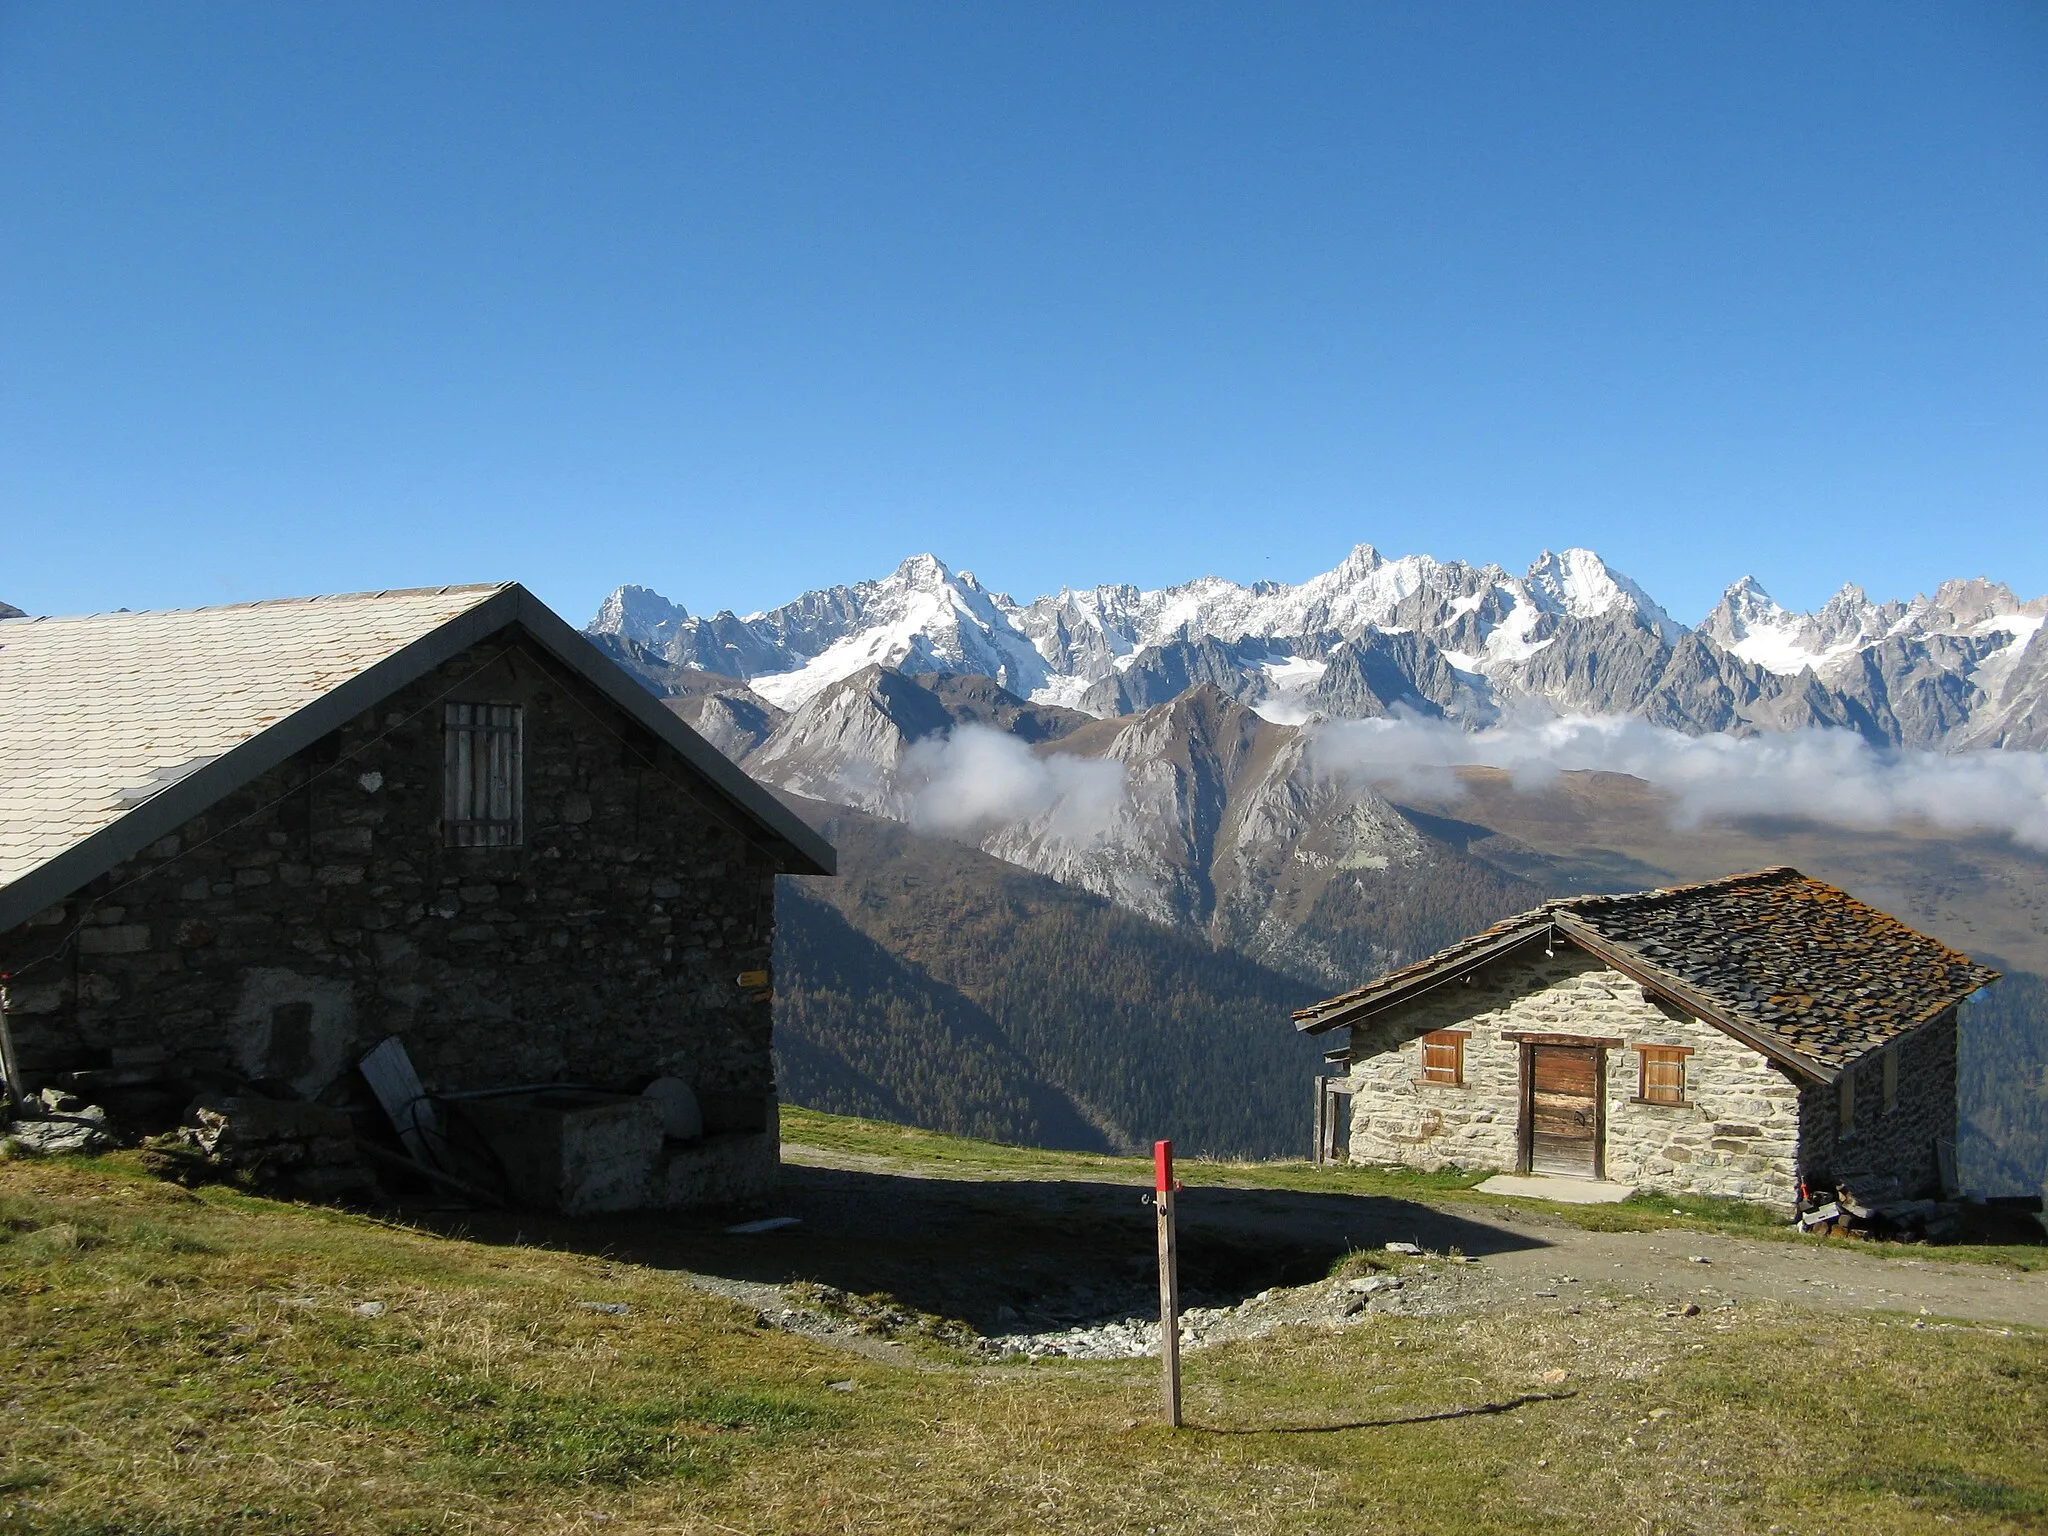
x=1561 y=1120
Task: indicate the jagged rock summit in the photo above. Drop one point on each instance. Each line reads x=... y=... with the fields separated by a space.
x=1377 y=636
x=1964 y=667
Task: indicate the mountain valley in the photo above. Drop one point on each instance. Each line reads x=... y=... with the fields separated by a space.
x=1096 y=846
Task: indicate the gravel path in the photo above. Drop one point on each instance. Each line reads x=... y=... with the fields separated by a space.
x=883 y=1252
x=1521 y=1256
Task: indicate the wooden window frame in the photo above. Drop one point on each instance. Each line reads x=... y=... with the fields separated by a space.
x=1453 y=1040
x=483 y=758
x=1661 y=1055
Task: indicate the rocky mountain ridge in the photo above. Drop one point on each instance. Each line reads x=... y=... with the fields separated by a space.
x=1197 y=814
x=1964 y=667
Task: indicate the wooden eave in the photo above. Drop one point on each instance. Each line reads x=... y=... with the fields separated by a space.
x=1454 y=969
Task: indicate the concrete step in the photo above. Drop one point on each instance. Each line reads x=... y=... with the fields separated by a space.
x=1555 y=1187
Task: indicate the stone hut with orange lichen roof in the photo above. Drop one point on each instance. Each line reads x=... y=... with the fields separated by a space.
x=1750 y=1037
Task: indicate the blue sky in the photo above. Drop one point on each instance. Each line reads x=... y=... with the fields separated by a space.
x=736 y=300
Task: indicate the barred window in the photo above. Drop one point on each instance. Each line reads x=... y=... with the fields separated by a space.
x=1663 y=1073
x=1443 y=1057
x=481 y=748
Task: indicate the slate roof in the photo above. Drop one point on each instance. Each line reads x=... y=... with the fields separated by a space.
x=99 y=713
x=1793 y=965
x=105 y=715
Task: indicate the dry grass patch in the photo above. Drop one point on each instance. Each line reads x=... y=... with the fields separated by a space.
x=174 y=1362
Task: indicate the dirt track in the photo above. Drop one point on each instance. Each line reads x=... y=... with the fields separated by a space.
x=1523 y=1253
x=1809 y=1273
x=1038 y=1252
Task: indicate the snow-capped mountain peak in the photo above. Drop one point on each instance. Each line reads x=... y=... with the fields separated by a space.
x=924 y=573
x=1375 y=634
x=1753 y=625
x=640 y=614
x=1578 y=582
x=921 y=618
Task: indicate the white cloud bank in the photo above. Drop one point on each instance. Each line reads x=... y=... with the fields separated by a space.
x=1830 y=776
x=973 y=780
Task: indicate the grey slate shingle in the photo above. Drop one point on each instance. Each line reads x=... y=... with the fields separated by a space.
x=1795 y=960
x=99 y=713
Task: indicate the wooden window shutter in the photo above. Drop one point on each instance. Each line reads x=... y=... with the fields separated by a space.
x=1662 y=1073
x=1443 y=1056
x=1891 y=1079
x=482 y=754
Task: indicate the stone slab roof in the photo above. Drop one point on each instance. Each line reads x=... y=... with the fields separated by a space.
x=1794 y=966
x=99 y=713
x=104 y=715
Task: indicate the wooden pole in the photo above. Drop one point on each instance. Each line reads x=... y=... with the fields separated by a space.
x=1169 y=1279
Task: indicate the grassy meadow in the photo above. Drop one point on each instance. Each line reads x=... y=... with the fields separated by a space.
x=177 y=1361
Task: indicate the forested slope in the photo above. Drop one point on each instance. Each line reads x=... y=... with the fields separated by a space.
x=931 y=983
x=2002 y=1142
x=860 y=1032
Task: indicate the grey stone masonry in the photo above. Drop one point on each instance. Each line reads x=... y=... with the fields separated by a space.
x=1888 y=1153
x=316 y=910
x=1737 y=1133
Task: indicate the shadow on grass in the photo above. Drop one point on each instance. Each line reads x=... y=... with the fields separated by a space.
x=1475 y=1410
x=1010 y=1252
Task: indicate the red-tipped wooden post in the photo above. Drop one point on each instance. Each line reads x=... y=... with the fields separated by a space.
x=1163 y=1186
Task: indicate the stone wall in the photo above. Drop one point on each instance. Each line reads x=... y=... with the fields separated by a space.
x=1888 y=1154
x=315 y=911
x=1737 y=1134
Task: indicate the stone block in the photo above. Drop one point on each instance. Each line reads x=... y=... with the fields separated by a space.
x=719 y=1170
x=579 y=1152
x=43 y=999
x=123 y=939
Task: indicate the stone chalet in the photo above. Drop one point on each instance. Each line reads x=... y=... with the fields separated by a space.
x=247 y=845
x=1741 y=1037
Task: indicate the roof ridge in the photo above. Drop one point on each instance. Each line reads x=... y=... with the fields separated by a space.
x=479 y=587
x=1770 y=874
x=1772 y=955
